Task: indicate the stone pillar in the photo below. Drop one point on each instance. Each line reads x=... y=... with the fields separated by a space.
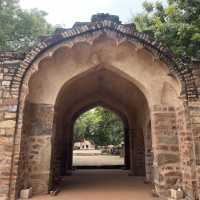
x=58 y=149
x=126 y=149
x=69 y=151
x=194 y=153
x=131 y=133
x=196 y=133
x=71 y=155
x=148 y=153
x=38 y=127
x=165 y=148
x=186 y=150
x=139 y=152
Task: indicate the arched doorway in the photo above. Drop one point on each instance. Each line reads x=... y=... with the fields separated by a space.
x=101 y=85
x=100 y=132
x=108 y=89
x=105 y=65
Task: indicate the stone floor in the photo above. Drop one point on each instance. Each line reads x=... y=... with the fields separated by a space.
x=102 y=185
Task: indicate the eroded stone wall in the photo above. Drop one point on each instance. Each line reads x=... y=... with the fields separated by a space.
x=8 y=109
x=38 y=124
x=188 y=123
x=165 y=147
x=139 y=153
x=194 y=113
x=148 y=153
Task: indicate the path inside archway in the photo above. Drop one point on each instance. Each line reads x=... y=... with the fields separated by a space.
x=102 y=184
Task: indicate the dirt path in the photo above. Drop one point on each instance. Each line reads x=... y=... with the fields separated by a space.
x=102 y=185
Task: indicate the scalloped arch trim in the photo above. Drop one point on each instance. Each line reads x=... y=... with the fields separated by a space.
x=124 y=32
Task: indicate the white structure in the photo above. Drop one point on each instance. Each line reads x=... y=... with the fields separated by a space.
x=85 y=144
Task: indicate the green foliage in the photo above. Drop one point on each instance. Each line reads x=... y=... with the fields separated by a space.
x=19 y=29
x=176 y=24
x=99 y=125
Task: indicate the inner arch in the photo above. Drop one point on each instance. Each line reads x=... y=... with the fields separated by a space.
x=99 y=138
x=101 y=87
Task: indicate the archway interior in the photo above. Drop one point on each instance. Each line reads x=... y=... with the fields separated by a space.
x=118 y=74
x=99 y=140
x=100 y=86
x=52 y=125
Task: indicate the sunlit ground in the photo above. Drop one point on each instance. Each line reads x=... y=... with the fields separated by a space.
x=97 y=160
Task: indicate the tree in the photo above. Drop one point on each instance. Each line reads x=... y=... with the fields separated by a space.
x=19 y=29
x=177 y=25
x=99 y=125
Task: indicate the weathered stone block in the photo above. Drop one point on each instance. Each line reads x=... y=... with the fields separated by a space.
x=196 y=119
x=12 y=108
x=176 y=194
x=168 y=140
x=1 y=76
x=7 y=124
x=5 y=83
x=9 y=115
x=41 y=120
x=2 y=131
x=165 y=158
x=26 y=193
x=40 y=183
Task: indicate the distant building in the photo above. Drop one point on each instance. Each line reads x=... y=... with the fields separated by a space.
x=84 y=144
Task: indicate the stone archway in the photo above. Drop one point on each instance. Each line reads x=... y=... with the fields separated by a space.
x=103 y=72
x=91 y=103
x=108 y=89
x=69 y=55
x=104 y=84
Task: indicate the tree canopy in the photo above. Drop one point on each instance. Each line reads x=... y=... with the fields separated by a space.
x=176 y=24
x=100 y=126
x=19 y=29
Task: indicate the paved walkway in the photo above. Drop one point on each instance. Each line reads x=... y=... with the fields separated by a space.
x=97 y=160
x=102 y=185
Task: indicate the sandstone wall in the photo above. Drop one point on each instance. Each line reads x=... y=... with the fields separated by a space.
x=148 y=153
x=8 y=109
x=194 y=113
x=38 y=125
x=166 y=147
